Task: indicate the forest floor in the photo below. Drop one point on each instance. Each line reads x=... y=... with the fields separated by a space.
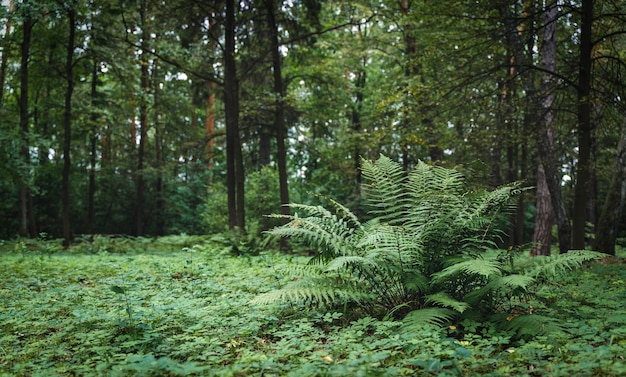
x=165 y=308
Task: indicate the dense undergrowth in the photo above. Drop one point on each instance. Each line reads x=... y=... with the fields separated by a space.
x=161 y=307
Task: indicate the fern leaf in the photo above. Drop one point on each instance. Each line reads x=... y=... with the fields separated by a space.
x=384 y=190
x=529 y=324
x=445 y=300
x=321 y=290
x=550 y=267
x=505 y=286
x=429 y=316
x=486 y=268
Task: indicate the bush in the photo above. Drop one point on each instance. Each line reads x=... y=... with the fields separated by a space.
x=427 y=255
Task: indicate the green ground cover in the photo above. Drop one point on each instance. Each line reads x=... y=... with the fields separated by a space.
x=155 y=308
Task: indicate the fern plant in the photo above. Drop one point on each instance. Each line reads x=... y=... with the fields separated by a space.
x=427 y=255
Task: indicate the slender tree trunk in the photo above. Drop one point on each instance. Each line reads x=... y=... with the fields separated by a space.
x=550 y=165
x=209 y=124
x=67 y=126
x=612 y=209
x=158 y=145
x=583 y=168
x=143 y=119
x=279 y=116
x=92 y=149
x=23 y=191
x=234 y=160
x=544 y=219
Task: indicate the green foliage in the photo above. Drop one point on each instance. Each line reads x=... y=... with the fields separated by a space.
x=59 y=315
x=427 y=251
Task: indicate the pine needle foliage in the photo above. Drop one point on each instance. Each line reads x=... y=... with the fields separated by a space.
x=428 y=254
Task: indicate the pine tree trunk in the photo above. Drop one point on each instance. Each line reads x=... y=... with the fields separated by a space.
x=143 y=121
x=23 y=190
x=92 y=150
x=234 y=160
x=67 y=126
x=544 y=218
x=279 y=117
x=583 y=168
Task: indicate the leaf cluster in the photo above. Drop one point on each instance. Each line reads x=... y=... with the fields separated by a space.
x=428 y=254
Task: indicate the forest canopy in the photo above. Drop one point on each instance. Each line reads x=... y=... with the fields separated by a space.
x=149 y=117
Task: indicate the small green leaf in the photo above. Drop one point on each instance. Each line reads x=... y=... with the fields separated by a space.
x=118 y=289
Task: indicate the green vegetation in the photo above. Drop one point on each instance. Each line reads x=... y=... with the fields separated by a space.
x=159 y=307
x=428 y=252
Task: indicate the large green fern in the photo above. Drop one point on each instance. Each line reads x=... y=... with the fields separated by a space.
x=428 y=252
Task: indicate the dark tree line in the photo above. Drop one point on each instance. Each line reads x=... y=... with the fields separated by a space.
x=151 y=117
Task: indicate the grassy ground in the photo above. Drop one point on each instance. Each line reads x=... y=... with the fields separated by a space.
x=154 y=308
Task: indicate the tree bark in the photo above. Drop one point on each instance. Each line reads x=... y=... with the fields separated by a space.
x=583 y=168
x=279 y=117
x=158 y=146
x=544 y=219
x=23 y=190
x=143 y=119
x=67 y=128
x=92 y=149
x=550 y=165
x=234 y=160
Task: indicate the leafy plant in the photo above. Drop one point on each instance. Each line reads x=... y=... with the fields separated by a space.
x=428 y=254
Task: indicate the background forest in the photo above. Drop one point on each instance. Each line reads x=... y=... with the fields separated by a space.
x=153 y=117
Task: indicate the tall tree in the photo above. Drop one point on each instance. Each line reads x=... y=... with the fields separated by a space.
x=24 y=190
x=234 y=160
x=524 y=66
x=542 y=237
x=584 y=126
x=144 y=88
x=279 y=110
x=67 y=123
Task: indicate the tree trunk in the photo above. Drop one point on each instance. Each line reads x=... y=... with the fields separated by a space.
x=67 y=127
x=23 y=191
x=279 y=117
x=234 y=160
x=550 y=165
x=583 y=169
x=209 y=124
x=92 y=149
x=158 y=146
x=544 y=219
x=143 y=120
x=608 y=224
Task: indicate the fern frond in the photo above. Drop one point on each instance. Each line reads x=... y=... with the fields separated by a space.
x=528 y=324
x=446 y=301
x=429 y=316
x=549 y=267
x=505 y=286
x=321 y=229
x=320 y=290
x=479 y=266
x=424 y=179
x=384 y=191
